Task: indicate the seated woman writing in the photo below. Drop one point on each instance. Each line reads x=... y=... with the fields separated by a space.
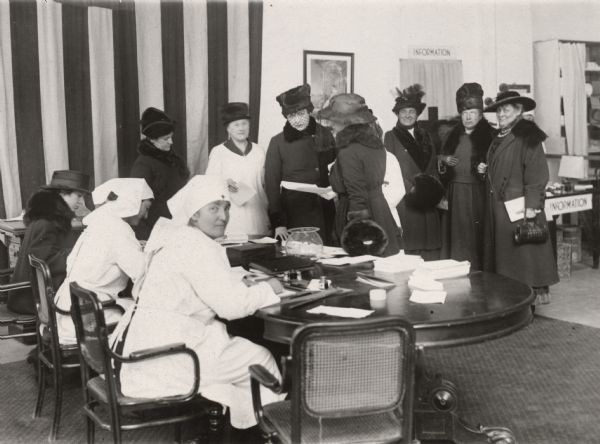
x=107 y=255
x=188 y=283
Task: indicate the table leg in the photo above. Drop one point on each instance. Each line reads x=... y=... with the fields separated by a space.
x=435 y=411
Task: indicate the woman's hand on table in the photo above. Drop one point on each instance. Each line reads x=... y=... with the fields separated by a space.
x=281 y=233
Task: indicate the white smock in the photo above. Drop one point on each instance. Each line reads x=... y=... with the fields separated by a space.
x=393 y=185
x=187 y=283
x=104 y=258
x=250 y=218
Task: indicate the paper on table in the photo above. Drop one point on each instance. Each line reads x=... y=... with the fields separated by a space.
x=424 y=283
x=348 y=260
x=428 y=297
x=342 y=312
x=333 y=251
x=233 y=239
x=326 y=193
x=515 y=208
x=264 y=240
x=243 y=194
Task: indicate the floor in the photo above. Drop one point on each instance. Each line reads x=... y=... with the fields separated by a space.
x=575 y=299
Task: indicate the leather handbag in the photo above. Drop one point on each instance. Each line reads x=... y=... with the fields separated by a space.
x=530 y=232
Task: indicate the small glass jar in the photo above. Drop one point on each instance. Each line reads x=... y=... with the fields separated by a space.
x=304 y=241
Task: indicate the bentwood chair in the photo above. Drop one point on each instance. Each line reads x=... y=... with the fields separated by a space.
x=350 y=382
x=51 y=354
x=105 y=405
x=19 y=325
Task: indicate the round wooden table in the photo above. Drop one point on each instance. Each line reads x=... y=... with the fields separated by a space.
x=478 y=307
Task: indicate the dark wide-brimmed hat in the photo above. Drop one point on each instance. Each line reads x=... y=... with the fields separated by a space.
x=364 y=236
x=410 y=98
x=156 y=123
x=347 y=109
x=230 y=112
x=69 y=180
x=426 y=192
x=295 y=99
x=469 y=96
x=506 y=96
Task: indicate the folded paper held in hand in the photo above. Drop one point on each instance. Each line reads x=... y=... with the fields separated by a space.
x=243 y=194
x=325 y=192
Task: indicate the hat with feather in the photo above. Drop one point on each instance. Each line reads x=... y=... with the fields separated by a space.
x=469 y=96
x=410 y=98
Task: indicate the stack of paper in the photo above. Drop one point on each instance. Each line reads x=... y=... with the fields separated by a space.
x=398 y=263
x=348 y=260
x=424 y=283
x=233 y=239
x=428 y=297
x=443 y=269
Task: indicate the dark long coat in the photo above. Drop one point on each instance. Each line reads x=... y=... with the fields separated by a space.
x=357 y=177
x=517 y=167
x=462 y=224
x=49 y=237
x=300 y=156
x=166 y=173
x=420 y=229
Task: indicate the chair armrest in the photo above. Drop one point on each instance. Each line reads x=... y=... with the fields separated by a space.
x=156 y=351
x=112 y=303
x=265 y=378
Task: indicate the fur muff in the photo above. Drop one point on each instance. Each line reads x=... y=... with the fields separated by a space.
x=426 y=192
x=49 y=205
x=364 y=236
x=531 y=134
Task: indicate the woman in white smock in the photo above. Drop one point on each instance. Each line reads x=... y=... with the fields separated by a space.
x=241 y=163
x=107 y=254
x=188 y=282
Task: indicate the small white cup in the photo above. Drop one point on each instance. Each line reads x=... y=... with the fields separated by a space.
x=377 y=298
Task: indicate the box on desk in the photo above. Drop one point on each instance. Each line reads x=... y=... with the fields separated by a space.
x=242 y=255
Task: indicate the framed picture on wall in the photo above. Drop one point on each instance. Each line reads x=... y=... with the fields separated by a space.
x=328 y=73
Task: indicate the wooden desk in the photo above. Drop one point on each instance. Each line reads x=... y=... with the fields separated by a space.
x=478 y=307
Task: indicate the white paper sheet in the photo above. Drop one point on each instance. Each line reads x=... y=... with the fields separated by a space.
x=264 y=240
x=342 y=312
x=348 y=260
x=326 y=193
x=428 y=297
x=515 y=208
x=243 y=194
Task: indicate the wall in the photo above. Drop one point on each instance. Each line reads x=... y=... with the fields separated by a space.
x=379 y=33
x=566 y=20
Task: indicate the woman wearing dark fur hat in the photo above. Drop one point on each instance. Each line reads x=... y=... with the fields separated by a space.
x=461 y=163
x=517 y=168
x=49 y=235
x=416 y=155
x=300 y=153
x=358 y=173
x=240 y=162
x=164 y=171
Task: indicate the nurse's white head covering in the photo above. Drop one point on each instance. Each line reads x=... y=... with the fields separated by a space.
x=199 y=191
x=122 y=196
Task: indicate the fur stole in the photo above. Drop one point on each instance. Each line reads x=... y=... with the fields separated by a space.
x=49 y=205
x=529 y=132
x=169 y=157
x=481 y=137
x=361 y=133
x=321 y=135
x=419 y=147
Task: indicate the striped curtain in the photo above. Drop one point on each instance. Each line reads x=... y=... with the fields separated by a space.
x=75 y=75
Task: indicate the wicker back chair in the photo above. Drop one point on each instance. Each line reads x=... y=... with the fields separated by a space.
x=351 y=381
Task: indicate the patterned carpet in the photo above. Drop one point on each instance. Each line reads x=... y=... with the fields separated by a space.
x=541 y=382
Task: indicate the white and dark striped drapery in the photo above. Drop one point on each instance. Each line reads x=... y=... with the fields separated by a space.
x=75 y=74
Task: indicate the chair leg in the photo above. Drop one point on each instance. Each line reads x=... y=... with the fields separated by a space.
x=178 y=433
x=57 y=402
x=89 y=424
x=41 y=375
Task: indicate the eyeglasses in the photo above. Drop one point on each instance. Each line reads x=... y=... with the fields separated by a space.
x=300 y=113
x=405 y=112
